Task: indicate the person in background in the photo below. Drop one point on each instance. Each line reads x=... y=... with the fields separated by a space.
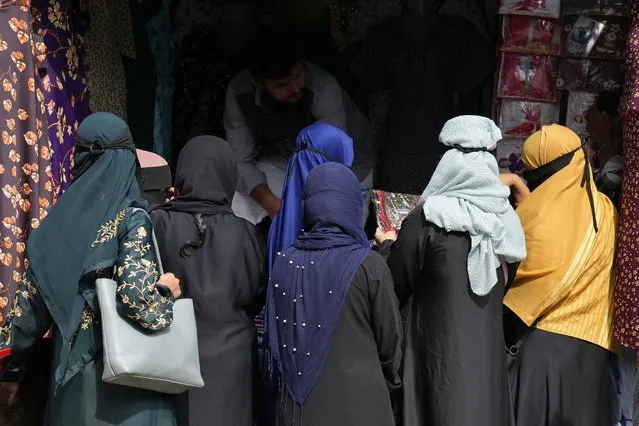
x=452 y=260
x=334 y=326
x=221 y=260
x=604 y=127
x=97 y=229
x=155 y=178
x=561 y=301
x=268 y=104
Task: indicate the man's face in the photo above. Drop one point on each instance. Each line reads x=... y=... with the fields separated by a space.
x=287 y=89
x=598 y=126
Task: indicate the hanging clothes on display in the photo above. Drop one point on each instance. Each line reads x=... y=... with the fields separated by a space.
x=108 y=39
x=25 y=152
x=64 y=85
x=626 y=322
x=161 y=43
x=431 y=64
x=351 y=19
x=208 y=58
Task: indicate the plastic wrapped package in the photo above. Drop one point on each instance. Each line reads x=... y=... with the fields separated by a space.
x=523 y=118
x=590 y=75
x=596 y=7
x=581 y=37
x=578 y=104
x=525 y=34
x=509 y=155
x=542 y=8
x=392 y=208
x=603 y=38
x=530 y=77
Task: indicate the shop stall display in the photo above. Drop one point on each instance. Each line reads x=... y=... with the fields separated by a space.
x=552 y=66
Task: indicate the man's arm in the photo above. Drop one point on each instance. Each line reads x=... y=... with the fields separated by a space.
x=250 y=179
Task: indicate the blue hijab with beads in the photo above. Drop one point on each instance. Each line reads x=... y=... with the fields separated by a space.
x=310 y=279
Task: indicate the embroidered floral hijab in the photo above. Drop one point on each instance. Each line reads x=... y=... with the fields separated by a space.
x=79 y=235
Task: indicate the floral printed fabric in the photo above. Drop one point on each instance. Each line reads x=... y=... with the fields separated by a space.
x=627 y=291
x=64 y=85
x=25 y=152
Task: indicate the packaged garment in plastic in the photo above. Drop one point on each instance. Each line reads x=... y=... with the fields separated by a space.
x=590 y=75
x=543 y=8
x=582 y=36
x=523 y=118
x=509 y=155
x=596 y=7
x=578 y=104
x=526 y=34
x=530 y=77
x=603 y=38
x=392 y=208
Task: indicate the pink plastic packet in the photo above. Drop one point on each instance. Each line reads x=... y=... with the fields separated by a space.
x=541 y=8
x=523 y=118
x=527 y=77
x=525 y=34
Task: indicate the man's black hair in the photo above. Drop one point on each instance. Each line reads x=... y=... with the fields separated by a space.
x=273 y=54
x=608 y=102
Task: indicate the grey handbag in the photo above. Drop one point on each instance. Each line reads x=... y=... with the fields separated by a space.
x=166 y=361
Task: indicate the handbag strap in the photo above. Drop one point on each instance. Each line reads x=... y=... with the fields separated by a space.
x=156 y=247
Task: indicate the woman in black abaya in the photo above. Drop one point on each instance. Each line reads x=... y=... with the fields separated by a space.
x=221 y=262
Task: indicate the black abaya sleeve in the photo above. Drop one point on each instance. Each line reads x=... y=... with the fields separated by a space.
x=387 y=324
x=407 y=256
x=256 y=246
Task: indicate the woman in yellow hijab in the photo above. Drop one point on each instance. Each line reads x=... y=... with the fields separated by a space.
x=563 y=291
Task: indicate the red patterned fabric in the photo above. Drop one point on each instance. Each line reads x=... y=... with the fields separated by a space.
x=626 y=327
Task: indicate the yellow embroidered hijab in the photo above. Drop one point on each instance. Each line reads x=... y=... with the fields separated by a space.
x=566 y=281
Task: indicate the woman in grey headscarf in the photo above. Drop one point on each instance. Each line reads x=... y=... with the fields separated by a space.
x=449 y=264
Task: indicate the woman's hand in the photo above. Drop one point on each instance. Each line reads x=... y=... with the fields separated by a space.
x=172 y=283
x=8 y=393
x=381 y=236
x=517 y=186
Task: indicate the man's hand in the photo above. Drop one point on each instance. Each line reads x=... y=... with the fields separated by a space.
x=263 y=195
x=8 y=393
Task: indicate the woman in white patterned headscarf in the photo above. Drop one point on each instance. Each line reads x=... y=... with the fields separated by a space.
x=450 y=269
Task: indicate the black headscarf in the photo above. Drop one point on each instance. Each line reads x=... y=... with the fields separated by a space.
x=205 y=183
x=205 y=178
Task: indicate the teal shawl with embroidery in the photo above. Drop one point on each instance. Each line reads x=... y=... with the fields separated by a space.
x=78 y=236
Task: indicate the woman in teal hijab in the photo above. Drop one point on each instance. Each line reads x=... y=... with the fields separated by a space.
x=96 y=230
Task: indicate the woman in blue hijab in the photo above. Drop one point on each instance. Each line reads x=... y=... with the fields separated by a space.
x=316 y=144
x=333 y=318
x=98 y=229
